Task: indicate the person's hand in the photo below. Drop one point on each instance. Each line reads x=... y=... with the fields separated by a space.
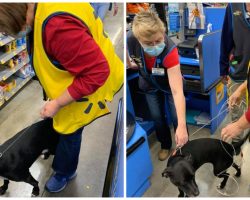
x=132 y=65
x=225 y=80
x=181 y=136
x=115 y=9
x=230 y=131
x=234 y=99
x=50 y=109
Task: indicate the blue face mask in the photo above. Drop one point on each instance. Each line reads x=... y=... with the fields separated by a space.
x=154 y=50
x=23 y=33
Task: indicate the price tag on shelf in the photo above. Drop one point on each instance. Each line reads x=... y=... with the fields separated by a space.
x=2 y=61
x=4 y=78
x=14 y=53
x=1 y=43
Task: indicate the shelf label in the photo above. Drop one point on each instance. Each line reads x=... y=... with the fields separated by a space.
x=4 y=78
x=1 y=43
x=2 y=61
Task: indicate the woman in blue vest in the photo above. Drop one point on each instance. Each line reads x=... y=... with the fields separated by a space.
x=159 y=77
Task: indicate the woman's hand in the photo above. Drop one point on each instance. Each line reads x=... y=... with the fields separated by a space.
x=181 y=136
x=50 y=109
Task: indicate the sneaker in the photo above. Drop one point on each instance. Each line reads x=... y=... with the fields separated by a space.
x=57 y=182
x=163 y=154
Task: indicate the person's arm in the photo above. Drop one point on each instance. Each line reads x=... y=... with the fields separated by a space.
x=235 y=98
x=227 y=43
x=83 y=59
x=236 y=128
x=176 y=85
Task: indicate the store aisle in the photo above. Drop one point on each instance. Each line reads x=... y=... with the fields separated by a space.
x=23 y=110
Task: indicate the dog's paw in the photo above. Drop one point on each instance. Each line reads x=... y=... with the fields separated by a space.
x=35 y=192
x=45 y=156
x=238 y=173
x=2 y=191
x=221 y=186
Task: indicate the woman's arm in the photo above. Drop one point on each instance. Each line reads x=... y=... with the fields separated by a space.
x=176 y=85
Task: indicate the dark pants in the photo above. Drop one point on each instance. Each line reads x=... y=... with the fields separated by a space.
x=156 y=104
x=67 y=153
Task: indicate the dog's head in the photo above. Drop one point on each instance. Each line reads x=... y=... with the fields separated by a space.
x=182 y=175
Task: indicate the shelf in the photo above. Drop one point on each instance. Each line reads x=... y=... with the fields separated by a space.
x=19 y=84
x=6 y=40
x=6 y=72
x=7 y=56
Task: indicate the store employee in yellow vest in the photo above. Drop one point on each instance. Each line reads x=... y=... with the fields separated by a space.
x=77 y=67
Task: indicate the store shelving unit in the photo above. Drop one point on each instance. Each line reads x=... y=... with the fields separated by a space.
x=7 y=72
x=7 y=56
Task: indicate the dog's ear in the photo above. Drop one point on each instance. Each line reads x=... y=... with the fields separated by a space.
x=167 y=172
x=189 y=158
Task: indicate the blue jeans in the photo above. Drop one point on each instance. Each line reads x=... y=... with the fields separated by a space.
x=67 y=153
x=157 y=108
x=101 y=9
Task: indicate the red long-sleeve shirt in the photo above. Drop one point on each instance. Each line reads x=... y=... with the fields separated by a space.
x=68 y=41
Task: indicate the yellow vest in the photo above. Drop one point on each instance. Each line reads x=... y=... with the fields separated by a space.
x=56 y=81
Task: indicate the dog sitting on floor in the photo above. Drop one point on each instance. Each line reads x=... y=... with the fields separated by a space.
x=19 y=152
x=182 y=166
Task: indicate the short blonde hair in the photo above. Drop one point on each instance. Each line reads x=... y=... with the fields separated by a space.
x=147 y=23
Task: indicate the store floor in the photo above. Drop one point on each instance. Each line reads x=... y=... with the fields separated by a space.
x=206 y=181
x=23 y=110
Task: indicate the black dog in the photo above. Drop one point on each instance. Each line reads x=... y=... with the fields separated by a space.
x=19 y=152
x=182 y=166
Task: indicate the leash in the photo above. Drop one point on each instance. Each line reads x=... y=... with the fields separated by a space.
x=25 y=130
x=229 y=176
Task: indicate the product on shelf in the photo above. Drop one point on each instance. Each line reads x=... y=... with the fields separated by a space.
x=11 y=63
x=8 y=48
x=15 y=60
x=23 y=55
x=24 y=40
x=13 y=45
x=24 y=72
x=8 y=85
x=19 y=42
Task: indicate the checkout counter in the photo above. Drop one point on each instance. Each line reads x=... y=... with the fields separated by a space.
x=139 y=165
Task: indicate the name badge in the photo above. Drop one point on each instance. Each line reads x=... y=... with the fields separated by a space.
x=158 y=71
